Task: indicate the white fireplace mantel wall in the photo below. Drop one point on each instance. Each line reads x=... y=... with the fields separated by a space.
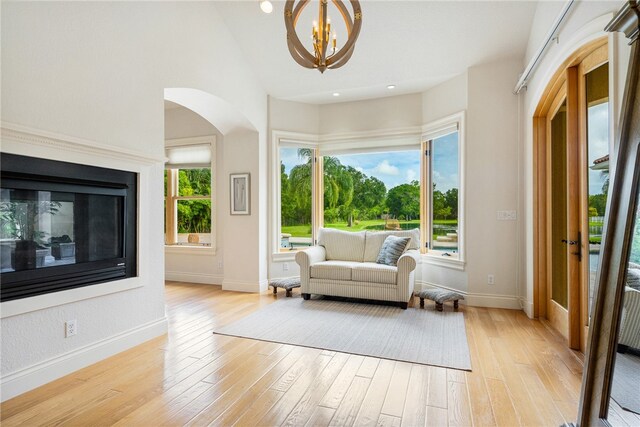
x=97 y=72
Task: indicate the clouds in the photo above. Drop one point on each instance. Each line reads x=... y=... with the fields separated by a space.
x=392 y=168
x=385 y=168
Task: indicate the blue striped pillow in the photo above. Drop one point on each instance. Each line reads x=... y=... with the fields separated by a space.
x=391 y=250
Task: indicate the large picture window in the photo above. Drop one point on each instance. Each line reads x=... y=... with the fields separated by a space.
x=373 y=185
x=189 y=197
x=372 y=190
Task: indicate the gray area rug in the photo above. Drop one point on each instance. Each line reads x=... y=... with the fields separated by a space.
x=626 y=377
x=414 y=335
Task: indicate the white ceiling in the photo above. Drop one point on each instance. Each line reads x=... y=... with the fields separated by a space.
x=412 y=44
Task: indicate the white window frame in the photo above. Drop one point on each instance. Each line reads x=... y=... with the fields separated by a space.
x=199 y=250
x=361 y=142
x=432 y=131
x=290 y=139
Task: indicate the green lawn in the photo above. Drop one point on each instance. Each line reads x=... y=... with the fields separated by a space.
x=305 y=230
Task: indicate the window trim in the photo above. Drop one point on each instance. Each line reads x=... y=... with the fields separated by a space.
x=354 y=143
x=432 y=131
x=291 y=139
x=208 y=250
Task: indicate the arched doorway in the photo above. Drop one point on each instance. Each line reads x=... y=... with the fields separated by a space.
x=571 y=149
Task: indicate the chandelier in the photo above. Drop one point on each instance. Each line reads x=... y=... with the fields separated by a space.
x=324 y=54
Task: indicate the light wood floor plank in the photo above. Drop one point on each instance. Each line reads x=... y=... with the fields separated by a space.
x=397 y=390
x=372 y=406
x=523 y=373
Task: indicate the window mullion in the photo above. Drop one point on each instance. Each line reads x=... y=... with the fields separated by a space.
x=425 y=195
x=317 y=209
x=171 y=229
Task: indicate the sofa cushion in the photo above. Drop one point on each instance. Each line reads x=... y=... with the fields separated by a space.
x=332 y=270
x=342 y=245
x=374 y=273
x=392 y=249
x=375 y=239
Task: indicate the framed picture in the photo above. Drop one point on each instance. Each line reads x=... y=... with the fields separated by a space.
x=240 y=193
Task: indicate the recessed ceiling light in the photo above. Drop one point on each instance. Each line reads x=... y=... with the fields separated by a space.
x=391 y=87
x=266 y=6
x=336 y=93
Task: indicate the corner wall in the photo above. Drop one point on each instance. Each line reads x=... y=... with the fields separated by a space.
x=97 y=71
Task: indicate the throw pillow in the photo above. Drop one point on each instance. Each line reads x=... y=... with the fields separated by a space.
x=391 y=250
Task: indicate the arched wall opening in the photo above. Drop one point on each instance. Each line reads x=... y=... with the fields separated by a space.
x=235 y=259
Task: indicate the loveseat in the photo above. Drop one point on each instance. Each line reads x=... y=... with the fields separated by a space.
x=344 y=264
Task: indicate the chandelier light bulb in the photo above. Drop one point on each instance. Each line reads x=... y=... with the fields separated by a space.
x=266 y=6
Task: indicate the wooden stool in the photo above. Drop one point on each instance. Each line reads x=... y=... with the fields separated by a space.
x=286 y=284
x=439 y=296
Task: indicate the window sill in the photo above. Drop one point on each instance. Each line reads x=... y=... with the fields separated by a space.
x=190 y=250
x=283 y=256
x=442 y=261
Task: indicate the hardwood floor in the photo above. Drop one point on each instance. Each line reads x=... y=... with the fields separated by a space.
x=523 y=374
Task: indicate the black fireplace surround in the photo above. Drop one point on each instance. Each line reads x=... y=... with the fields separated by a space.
x=64 y=226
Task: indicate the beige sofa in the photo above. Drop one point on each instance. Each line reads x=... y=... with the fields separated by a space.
x=344 y=264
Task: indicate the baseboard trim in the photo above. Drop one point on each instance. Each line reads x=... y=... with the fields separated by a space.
x=527 y=307
x=16 y=383
x=479 y=300
x=231 y=285
x=181 y=276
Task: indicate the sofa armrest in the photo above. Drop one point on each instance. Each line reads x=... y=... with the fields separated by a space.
x=305 y=259
x=408 y=261
x=405 y=278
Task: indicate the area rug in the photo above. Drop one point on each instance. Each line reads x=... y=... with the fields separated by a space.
x=626 y=377
x=414 y=335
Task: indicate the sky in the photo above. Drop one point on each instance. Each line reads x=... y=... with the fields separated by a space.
x=397 y=167
x=598 y=136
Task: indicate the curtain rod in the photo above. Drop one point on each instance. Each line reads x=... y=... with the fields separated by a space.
x=524 y=78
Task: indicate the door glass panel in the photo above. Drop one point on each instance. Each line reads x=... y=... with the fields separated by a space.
x=624 y=406
x=597 y=86
x=559 y=291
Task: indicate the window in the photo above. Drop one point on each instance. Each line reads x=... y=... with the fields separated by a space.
x=296 y=201
x=442 y=192
x=389 y=183
x=188 y=193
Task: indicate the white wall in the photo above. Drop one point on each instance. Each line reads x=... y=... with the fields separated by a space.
x=492 y=181
x=373 y=114
x=97 y=71
x=293 y=116
x=445 y=99
x=585 y=23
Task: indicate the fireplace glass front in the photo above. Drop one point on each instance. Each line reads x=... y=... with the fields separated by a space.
x=64 y=226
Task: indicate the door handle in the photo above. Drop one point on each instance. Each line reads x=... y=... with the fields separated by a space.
x=577 y=243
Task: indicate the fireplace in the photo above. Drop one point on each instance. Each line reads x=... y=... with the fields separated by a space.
x=64 y=226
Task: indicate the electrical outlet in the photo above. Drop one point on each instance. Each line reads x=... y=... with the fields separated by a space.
x=285 y=266
x=491 y=279
x=71 y=328
x=506 y=215
x=219 y=265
